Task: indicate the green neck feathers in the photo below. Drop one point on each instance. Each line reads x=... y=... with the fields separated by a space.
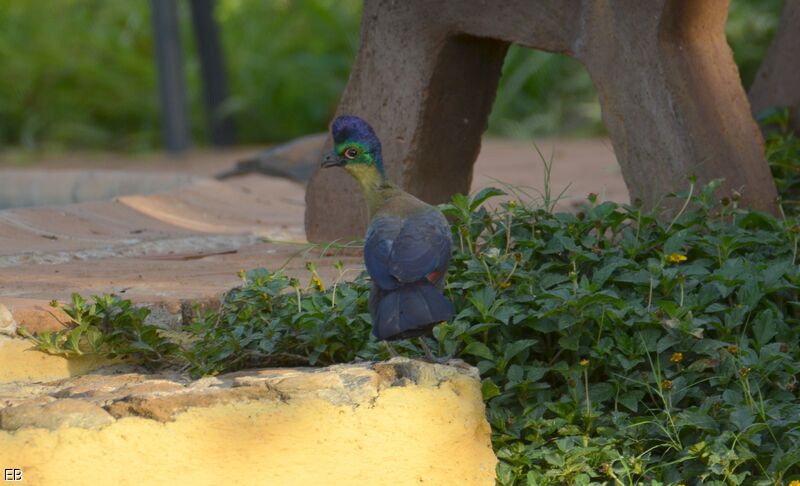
x=372 y=183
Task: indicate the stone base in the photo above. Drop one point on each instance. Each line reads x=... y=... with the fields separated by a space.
x=397 y=422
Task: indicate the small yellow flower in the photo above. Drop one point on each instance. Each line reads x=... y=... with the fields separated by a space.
x=504 y=285
x=316 y=282
x=512 y=204
x=677 y=258
x=584 y=362
x=681 y=484
x=796 y=482
x=733 y=349
x=676 y=357
x=666 y=384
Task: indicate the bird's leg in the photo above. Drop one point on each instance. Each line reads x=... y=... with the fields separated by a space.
x=428 y=353
x=392 y=352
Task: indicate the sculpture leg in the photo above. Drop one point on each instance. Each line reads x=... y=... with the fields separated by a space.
x=427 y=92
x=672 y=100
x=777 y=83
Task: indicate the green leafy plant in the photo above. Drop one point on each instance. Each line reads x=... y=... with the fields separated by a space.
x=618 y=347
x=271 y=321
x=111 y=327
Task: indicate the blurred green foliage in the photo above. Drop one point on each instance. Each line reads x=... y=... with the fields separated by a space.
x=79 y=74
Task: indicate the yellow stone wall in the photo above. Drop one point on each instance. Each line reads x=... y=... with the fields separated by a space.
x=18 y=362
x=396 y=432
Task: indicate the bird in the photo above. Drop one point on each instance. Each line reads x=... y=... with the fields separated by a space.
x=295 y=160
x=407 y=246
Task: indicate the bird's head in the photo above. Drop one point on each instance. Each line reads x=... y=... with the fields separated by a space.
x=355 y=147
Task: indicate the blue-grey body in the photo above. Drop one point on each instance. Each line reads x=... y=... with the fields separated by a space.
x=407 y=251
x=408 y=243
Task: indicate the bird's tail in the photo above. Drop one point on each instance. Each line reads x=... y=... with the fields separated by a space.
x=243 y=167
x=407 y=311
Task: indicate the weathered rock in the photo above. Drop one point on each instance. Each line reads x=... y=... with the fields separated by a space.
x=426 y=74
x=18 y=393
x=8 y=325
x=397 y=422
x=164 y=408
x=161 y=397
x=40 y=316
x=105 y=388
x=52 y=415
x=777 y=83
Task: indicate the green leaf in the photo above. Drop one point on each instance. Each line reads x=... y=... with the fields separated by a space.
x=742 y=417
x=483 y=299
x=483 y=195
x=140 y=346
x=749 y=294
x=666 y=343
x=515 y=374
x=789 y=459
x=631 y=398
x=73 y=342
x=697 y=419
x=535 y=373
x=461 y=202
x=765 y=326
x=674 y=243
x=477 y=348
x=775 y=272
x=601 y=275
x=516 y=347
x=634 y=277
x=489 y=390
x=601 y=392
x=570 y=341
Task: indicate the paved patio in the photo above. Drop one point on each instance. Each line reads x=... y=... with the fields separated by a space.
x=184 y=247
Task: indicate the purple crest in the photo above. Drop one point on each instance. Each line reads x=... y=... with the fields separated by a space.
x=348 y=128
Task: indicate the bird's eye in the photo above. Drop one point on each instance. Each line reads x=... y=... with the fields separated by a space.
x=351 y=153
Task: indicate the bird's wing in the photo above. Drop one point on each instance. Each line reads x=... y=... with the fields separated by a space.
x=377 y=248
x=422 y=247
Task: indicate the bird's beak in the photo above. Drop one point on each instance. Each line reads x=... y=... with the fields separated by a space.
x=331 y=159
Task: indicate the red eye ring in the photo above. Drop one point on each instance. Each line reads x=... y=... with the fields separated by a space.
x=351 y=153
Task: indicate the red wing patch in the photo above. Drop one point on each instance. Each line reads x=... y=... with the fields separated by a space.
x=433 y=276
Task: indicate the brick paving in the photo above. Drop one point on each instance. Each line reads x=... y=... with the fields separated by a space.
x=172 y=250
